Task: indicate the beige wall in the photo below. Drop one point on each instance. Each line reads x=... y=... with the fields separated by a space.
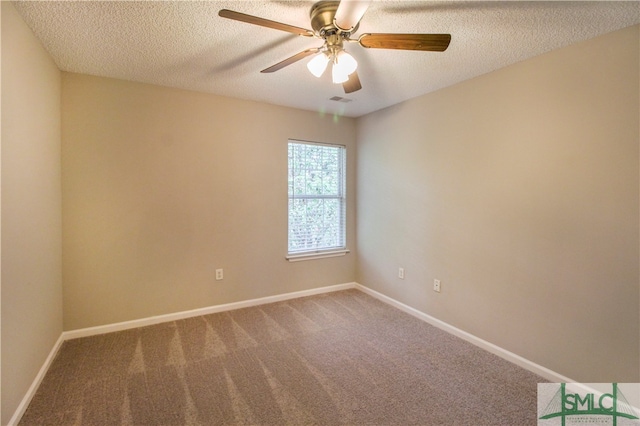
x=163 y=186
x=519 y=190
x=31 y=211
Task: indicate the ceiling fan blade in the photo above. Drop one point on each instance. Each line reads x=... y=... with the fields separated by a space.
x=291 y=60
x=349 y=13
x=426 y=42
x=250 y=19
x=353 y=84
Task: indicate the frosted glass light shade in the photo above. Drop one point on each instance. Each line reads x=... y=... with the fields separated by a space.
x=337 y=74
x=318 y=64
x=346 y=62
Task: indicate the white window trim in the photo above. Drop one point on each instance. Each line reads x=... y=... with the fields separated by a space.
x=316 y=255
x=329 y=252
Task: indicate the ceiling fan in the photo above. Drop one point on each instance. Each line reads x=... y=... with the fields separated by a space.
x=335 y=22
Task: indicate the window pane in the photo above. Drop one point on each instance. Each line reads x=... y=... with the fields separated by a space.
x=313 y=183
x=316 y=197
x=330 y=183
x=314 y=224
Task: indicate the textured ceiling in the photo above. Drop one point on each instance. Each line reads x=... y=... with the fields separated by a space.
x=185 y=44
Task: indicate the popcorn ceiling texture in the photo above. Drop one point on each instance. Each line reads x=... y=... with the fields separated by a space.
x=185 y=44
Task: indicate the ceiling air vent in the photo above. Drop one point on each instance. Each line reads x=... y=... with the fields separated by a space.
x=340 y=99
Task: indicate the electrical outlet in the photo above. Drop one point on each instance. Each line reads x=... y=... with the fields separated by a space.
x=436 y=285
x=401 y=273
x=219 y=274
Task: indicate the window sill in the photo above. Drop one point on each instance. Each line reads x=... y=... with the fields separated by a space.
x=316 y=255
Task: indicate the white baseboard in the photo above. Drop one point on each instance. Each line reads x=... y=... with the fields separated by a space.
x=544 y=372
x=102 y=329
x=22 y=407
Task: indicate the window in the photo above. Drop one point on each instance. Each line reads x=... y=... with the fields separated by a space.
x=317 y=200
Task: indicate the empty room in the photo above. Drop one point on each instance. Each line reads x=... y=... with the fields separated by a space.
x=298 y=212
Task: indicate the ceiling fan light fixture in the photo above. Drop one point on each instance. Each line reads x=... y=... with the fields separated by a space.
x=346 y=62
x=337 y=74
x=318 y=64
x=343 y=65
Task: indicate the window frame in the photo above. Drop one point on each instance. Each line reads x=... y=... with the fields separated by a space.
x=320 y=252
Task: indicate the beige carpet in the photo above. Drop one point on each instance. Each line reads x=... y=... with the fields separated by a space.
x=337 y=358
